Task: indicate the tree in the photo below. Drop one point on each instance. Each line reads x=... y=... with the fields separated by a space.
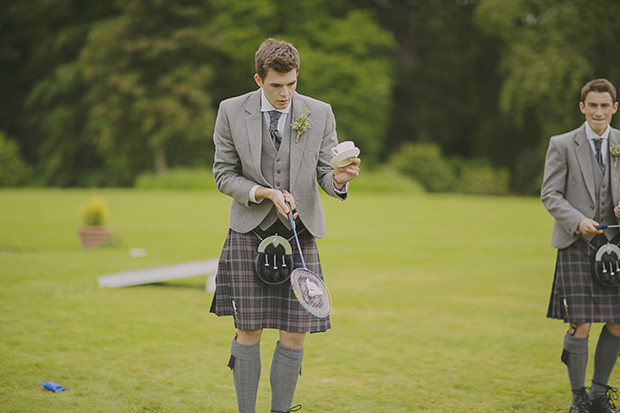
x=44 y=87
x=550 y=49
x=345 y=59
x=148 y=77
x=110 y=89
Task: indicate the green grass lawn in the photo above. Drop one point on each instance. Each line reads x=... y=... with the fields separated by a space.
x=439 y=306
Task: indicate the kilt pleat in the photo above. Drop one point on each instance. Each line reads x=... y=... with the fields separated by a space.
x=259 y=305
x=586 y=300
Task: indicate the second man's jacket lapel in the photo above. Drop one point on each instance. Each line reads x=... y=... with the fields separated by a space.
x=584 y=157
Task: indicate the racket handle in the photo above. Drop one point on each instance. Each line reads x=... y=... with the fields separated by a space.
x=291 y=220
x=607 y=226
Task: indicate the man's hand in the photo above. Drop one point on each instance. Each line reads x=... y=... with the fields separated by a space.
x=347 y=173
x=588 y=226
x=279 y=199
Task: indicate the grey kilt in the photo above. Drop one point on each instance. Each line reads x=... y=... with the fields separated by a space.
x=587 y=301
x=260 y=305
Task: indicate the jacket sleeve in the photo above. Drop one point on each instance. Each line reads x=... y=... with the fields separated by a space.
x=553 y=188
x=323 y=168
x=227 y=165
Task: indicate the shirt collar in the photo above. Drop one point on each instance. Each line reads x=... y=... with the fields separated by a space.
x=266 y=106
x=590 y=134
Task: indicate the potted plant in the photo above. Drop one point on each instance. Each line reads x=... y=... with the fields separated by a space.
x=94 y=216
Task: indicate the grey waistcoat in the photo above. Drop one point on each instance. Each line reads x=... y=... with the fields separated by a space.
x=275 y=167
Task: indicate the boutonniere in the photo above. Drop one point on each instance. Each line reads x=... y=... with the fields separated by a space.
x=302 y=123
x=615 y=152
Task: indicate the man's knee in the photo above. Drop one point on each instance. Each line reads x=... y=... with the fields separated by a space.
x=249 y=337
x=613 y=328
x=582 y=330
x=292 y=340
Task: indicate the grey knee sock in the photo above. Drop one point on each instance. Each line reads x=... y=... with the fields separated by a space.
x=605 y=356
x=246 y=374
x=285 y=369
x=577 y=362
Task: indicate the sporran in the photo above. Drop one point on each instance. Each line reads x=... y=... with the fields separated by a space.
x=607 y=265
x=273 y=262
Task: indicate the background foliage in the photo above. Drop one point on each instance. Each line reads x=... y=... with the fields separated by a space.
x=98 y=92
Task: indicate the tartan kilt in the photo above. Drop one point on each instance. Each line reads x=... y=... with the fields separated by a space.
x=261 y=305
x=587 y=301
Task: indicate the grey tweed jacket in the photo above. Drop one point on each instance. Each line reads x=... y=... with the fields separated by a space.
x=237 y=164
x=568 y=189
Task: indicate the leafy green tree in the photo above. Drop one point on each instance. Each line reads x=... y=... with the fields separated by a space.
x=44 y=87
x=348 y=64
x=346 y=59
x=148 y=80
x=549 y=50
x=111 y=89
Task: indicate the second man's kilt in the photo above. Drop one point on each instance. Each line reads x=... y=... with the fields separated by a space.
x=586 y=300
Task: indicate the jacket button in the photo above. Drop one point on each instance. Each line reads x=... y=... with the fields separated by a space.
x=592 y=207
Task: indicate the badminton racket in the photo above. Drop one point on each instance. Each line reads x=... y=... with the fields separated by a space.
x=309 y=288
x=607 y=226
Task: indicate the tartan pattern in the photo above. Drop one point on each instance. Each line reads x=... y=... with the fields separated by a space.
x=260 y=305
x=587 y=300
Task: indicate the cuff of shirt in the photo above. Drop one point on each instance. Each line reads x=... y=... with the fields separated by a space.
x=342 y=191
x=253 y=195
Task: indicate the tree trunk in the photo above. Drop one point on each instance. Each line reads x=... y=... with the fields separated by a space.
x=161 y=166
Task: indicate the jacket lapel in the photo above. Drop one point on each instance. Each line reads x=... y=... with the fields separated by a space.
x=614 y=140
x=297 y=148
x=584 y=157
x=254 y=127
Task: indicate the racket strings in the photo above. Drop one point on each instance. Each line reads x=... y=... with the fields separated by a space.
x=311 y=292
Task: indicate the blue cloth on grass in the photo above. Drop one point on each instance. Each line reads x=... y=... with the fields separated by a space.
x=50 y=385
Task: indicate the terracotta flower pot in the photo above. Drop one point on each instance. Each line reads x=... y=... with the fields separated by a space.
x=93 y=236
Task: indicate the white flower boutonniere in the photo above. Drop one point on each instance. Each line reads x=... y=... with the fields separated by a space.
x=615 y=152
x=302 y=123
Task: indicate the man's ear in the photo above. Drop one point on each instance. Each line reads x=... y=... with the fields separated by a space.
x=582 y=108
x=258 y=80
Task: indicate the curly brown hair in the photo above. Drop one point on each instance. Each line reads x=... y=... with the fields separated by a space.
x=598 y=85
x=277 y=55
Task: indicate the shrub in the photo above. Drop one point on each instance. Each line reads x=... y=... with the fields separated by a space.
x=425 y=164
x=13 y=169
x=95 y=212
x=483 y=180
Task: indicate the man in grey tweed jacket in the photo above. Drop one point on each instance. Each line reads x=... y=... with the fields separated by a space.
x=265 y=166
x=581 y=190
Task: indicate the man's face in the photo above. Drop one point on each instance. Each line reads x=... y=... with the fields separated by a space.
x=598 y=107
x=278 y=87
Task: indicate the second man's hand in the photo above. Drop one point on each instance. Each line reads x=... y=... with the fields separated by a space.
x=589 y=226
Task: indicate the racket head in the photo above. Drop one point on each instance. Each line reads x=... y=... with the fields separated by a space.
x=311 y=292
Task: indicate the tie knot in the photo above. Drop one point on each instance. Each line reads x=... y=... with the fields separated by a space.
x=598 y=142
x=274 y=114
